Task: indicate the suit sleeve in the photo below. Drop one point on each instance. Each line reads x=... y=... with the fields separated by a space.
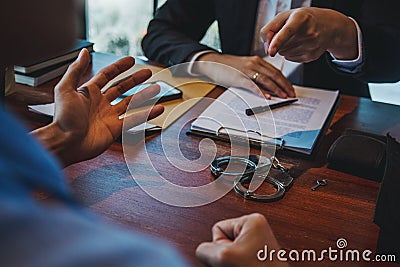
x=382 y=54
x=178 y=26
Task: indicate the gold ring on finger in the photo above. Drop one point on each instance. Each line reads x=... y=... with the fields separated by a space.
x=255 y=76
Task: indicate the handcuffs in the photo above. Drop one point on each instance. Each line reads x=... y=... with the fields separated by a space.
x=282 y=182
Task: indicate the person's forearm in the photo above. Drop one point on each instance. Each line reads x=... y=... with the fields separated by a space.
x=56 y=141
x=344 y=38
x=212 y=56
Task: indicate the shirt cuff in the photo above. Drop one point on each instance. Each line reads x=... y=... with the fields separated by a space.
x=194 y=59
x=351 y=66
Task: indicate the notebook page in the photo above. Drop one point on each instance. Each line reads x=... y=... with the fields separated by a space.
x=298 y=124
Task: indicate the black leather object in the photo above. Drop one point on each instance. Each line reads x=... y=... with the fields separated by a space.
x=359 y=153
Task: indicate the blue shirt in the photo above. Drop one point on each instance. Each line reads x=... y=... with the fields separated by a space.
x=60 y=233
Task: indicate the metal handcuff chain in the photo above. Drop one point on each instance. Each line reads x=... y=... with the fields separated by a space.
x=281 y=182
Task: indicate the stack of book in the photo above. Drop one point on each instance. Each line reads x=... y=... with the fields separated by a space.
x=45 y=70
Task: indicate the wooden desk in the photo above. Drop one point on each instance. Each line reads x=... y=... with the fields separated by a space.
x=303 y=219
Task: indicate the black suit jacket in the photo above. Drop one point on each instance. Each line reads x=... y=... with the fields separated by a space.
x=174 y=34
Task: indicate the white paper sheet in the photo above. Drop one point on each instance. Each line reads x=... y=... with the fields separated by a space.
x=299 y=124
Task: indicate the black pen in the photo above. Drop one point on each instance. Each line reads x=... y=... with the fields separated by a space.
x=256 y=110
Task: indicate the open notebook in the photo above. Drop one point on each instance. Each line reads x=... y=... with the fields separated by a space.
x=298 y=126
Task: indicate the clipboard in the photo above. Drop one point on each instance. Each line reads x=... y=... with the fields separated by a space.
x=328 y=99
x=279 y=143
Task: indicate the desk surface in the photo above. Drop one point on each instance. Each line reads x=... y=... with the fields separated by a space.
x=303 y=219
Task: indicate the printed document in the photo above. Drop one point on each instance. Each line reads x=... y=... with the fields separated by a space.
x=299 y=124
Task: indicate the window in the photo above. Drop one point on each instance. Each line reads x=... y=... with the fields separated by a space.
x=118 y=26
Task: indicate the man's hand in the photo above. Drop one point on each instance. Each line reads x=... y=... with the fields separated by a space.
x=269 y=78
x=235 y=242
x=304 y=34
x=85 y=124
